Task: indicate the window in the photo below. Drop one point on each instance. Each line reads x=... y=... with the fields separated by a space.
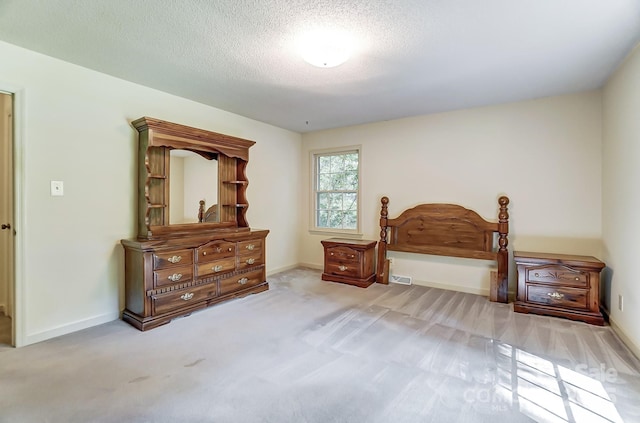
x=336 y=190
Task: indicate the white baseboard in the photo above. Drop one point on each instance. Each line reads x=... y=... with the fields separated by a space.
x=69 y=328
x=484 y=292
x=281 y=269
x=311 y=266
x=293 y=266
x=625 y=338
x=469 y=290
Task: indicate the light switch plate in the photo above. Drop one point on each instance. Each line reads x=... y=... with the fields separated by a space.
x=57 y=188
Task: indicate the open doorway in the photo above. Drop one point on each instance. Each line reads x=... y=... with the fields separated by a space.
x=7 y=233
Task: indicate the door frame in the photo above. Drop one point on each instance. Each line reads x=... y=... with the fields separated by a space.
x=19 y=220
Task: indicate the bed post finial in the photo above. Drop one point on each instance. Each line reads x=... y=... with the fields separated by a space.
x=383 y=219
x=503 y=223
x=502 y=288
x=382 y=275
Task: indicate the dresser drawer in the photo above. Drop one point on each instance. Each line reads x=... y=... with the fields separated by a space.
x=172 y=275
x=216 y=250
x=173 y=258
x=564 y=297
x=557 y=275
x=219 y=266
x=250 y=246
x=241 y=281
x=250 y=260
x=342 y=255
x=175 y=300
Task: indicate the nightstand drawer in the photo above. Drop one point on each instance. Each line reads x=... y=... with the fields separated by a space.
x=342 y=255
x=558 y=296
x=557 y=275
x=343 y=269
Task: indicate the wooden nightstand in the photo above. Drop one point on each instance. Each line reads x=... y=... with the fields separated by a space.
x=559 y=285
x=349 y=261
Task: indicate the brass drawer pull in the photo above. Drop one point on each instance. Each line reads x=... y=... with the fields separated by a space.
x=174 y=259
x=218 y=250
x=175 y=277
x=243 y=281
x=251 y=247
x=251 y=261
x=217 y=268
x=342 y=267
x=187 y=296
x=555 y=295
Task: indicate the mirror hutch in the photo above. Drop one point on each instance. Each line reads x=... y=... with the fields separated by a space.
x=194 y=246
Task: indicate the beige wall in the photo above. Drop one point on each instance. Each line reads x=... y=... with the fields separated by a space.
x=621 y=197
x=544 y=154
x=75 y=128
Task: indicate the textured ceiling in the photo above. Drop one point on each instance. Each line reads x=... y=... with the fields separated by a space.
x=412 y=57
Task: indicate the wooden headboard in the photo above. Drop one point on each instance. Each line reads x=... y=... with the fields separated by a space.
x=447 y=230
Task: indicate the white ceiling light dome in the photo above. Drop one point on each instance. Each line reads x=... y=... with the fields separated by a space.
x=326 y=48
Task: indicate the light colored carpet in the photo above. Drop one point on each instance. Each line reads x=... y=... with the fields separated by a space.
x=315 y=351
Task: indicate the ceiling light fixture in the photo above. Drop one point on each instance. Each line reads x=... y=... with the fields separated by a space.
x=325 y=48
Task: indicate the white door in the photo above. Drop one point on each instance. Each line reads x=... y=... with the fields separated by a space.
x=6 y=206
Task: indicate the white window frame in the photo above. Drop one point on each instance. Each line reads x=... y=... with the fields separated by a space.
x=352 y=233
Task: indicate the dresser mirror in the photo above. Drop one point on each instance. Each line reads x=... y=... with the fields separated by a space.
x=193 y=188
x=189 y=180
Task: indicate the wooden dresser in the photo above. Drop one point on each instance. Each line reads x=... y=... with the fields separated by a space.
x=559 y=285
x=194 y=246
x=349 y=261
x=165 y=280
